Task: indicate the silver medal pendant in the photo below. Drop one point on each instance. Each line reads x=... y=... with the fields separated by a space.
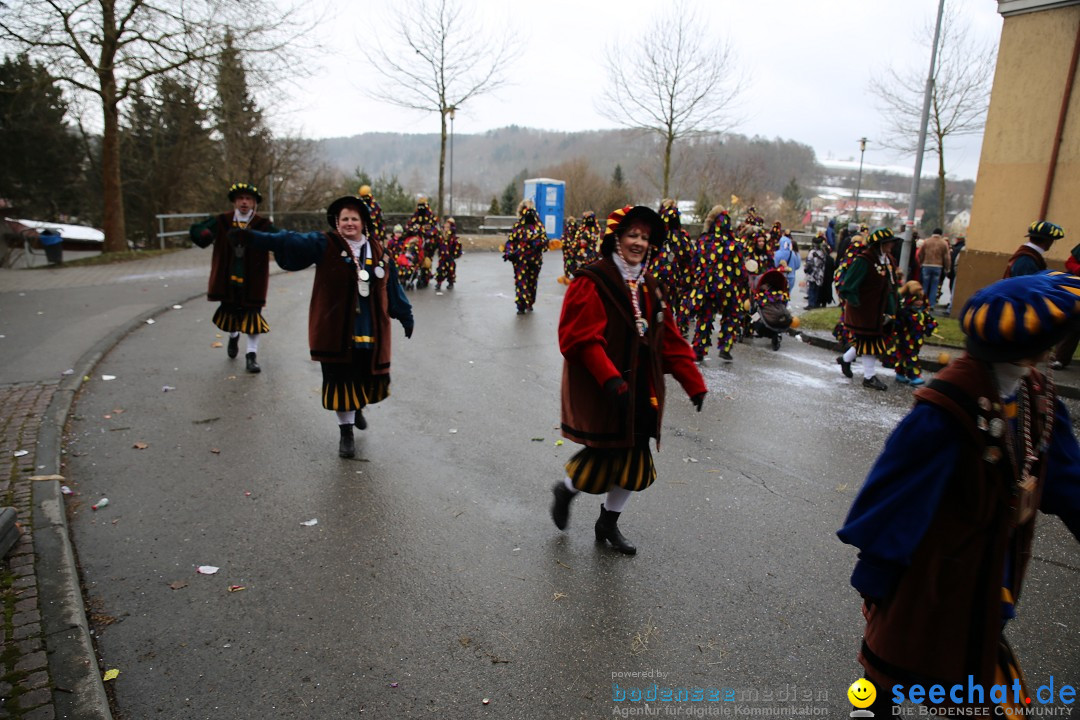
x=997 y=427
x=364 y=276
x=642 y=326
x=363 y=289
x=379 y=272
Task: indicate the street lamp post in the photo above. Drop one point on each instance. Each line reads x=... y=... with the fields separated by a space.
x=273 y=180
x=858 y=184
x=450 y=111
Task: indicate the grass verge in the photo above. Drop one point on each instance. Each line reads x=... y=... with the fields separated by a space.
x=825 y=319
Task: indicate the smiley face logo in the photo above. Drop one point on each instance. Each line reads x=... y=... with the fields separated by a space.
x=862 y=693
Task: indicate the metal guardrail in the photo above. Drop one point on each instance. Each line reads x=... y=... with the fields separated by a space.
x=301 y=218
x=176 y=233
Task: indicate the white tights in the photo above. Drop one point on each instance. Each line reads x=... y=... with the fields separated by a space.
x=615 y=500
x=869 y=365
x=253 y=341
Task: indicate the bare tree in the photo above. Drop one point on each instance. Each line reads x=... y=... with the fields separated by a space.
x=676 y=80
x=108 y=48
x=437 y=57
x=959 y=98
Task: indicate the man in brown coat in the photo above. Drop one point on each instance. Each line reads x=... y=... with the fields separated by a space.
x=936 y=263
x=238 y=278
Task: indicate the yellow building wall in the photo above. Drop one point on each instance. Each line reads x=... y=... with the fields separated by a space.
x=1029 y=83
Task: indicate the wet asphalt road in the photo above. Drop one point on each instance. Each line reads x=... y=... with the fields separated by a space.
x=434 y=577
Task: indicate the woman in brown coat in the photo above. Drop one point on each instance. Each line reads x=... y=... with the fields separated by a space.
x=353 y=298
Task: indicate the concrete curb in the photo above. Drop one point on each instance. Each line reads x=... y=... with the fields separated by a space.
x=79 y=691
x=829 y=343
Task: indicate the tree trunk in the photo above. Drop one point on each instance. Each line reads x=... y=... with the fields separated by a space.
x=669 y=141
x=112 y=189
x=111 y=185
x=442 y=164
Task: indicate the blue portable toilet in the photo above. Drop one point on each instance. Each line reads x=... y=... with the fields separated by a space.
x=549 y=196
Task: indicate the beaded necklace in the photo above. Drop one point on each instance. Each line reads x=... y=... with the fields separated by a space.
x=640 y=322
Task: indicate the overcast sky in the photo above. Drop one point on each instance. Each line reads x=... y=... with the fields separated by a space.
x=809 y=63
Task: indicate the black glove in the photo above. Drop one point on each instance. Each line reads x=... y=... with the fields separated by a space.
x=698 y=400
x=238 y=237
x=408 y=330
x=205 y=238
x=619 y=391
x=871 y=602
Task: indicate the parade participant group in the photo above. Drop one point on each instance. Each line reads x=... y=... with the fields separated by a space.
x=944 y=535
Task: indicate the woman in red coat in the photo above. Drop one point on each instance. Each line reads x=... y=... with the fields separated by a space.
x=619 y=338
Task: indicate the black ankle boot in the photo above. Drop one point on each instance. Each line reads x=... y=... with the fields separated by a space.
x=607 y=528
x=360 y=422
x=234 y=346
x=560 y=506
x=346 y=448
x=252 y=366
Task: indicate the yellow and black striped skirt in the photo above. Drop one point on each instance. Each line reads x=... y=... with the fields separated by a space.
x=351 y=386
x=877 y=345
x=596 y=470
x=233 y=318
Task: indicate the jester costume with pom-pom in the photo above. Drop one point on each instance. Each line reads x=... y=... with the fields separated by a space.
x=913 y=325
x=424 y=225
x=720 y=288
x=449 y=252
x=525 y=250
x=673 y=265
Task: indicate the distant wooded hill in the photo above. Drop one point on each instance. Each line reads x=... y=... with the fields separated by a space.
x=606 y=168
x=485 y=163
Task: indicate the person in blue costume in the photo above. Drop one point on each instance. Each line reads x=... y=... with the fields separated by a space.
x=354 y=295
x=945 y=520
x=787 y=259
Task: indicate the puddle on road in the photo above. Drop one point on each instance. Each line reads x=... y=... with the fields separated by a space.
x=798 y=379
x=188 y=272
